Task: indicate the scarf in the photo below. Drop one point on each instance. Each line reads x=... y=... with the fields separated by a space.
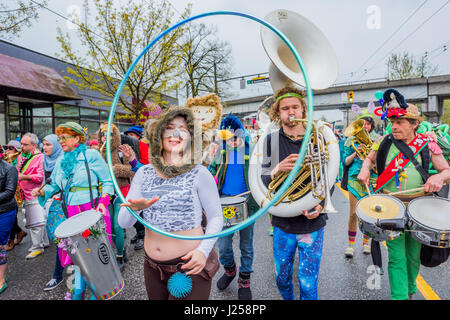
x=50 y=161
x=70 y=159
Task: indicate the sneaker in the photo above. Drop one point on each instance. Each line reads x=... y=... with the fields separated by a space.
x=226 y=278
x=349 y=252
x=139 y=244
x=33 y=254
x=52 y=284
x=366 y=249
x=134 y=239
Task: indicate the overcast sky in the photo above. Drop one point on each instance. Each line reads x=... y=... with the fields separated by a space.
x=357 y=29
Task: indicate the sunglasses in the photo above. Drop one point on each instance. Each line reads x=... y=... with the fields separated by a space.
x=64 y=138
x=8 y=148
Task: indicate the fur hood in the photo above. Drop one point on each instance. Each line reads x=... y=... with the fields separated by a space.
x=115 y=142
x=193 y=153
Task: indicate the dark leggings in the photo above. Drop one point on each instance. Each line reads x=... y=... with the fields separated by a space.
x=156 y=279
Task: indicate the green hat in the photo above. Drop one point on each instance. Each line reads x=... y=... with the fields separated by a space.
x=74 y=127
x=365 y=114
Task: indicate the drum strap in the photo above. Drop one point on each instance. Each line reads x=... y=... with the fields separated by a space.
x=94 y=205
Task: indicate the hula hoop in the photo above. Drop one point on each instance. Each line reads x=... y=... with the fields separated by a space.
x=289 y=179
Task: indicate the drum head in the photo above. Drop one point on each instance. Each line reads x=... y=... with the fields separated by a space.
x=77 y=224
x=225 y=201
x=432 y=212
x=379 y=206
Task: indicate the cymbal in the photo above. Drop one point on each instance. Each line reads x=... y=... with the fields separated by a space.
x=379 y=207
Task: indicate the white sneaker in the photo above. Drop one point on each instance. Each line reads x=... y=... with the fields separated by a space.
x=33 y=254
x=366 y=249
x=349 y=252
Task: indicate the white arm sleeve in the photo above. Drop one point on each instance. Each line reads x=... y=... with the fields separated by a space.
x=210 y=202
x=125 y=218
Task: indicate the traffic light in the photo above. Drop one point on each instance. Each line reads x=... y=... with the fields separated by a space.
x=350 y=97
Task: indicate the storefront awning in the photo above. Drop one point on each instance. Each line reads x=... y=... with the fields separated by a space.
x=26 y=79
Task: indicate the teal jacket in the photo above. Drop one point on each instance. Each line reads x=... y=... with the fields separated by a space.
x=218 y=169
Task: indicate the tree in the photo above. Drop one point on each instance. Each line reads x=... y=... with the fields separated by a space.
x=206 y=61
x=112 y=44
x=405 y=65
x=15 y=16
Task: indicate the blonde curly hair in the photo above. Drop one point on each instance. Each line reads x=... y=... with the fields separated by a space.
x=274 y=112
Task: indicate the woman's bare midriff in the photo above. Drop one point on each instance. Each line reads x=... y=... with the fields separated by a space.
x=163 y=248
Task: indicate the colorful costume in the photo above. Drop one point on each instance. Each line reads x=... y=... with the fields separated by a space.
x=230 y=167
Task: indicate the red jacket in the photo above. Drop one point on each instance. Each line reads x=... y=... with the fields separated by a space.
x=143 y=153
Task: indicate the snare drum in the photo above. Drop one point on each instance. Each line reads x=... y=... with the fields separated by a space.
x=234 y=210
x=34 y=214
x=381 y=217
x=92 y=253
x=429 y=221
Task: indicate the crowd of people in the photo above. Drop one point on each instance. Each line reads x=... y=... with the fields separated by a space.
x=168 y=183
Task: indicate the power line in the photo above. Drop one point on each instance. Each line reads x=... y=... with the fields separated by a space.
x=390 y=37
x=407 y=37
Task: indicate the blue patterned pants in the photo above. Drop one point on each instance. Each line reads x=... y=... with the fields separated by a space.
x=310 y=254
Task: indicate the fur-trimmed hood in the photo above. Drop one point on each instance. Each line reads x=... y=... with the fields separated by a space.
x=193 y=152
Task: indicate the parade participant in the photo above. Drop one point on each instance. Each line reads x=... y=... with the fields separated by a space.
x=12 y=151
x=30 y=165
x=306 y=230
x=172 y=191
x=404 y=251
x=52 y=153
x=136 y=132
x=356 y=190
x=230 y=167
x=8 y=212
x=77 y=175
x=122 y=172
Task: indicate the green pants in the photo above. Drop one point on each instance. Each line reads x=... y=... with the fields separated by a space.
x=118 y=233
x=403 y=265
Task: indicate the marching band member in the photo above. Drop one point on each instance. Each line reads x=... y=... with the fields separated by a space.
x=77 y=175
x=306 y=230
x=172 y=191
x=391 y=163
x=356 y=190
x=230 y=167
x=8 y=212
x=122 y=172
x=30 y=165
x=12 y=152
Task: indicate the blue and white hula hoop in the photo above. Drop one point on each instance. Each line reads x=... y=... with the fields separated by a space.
x=289 y=179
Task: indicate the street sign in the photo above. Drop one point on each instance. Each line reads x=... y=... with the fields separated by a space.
x=258 y=80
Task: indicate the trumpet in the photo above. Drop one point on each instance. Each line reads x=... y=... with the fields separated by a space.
x=356 y=129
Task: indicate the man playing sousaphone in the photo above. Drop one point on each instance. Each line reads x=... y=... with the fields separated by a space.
x=404 y=170
x=306 y=230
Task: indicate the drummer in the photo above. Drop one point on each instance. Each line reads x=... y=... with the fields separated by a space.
x=396 y=173
x=79 y=193
x=230 y=167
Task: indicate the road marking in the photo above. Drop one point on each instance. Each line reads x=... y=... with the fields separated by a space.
x=422 y=285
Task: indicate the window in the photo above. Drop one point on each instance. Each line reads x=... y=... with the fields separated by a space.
x=63 y=110
x=89 y=114
x=92 y=127
x=42 y=126
x=59 y=121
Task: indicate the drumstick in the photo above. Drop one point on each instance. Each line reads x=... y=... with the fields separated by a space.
x=242 y=194
x=368 y=189
x=404 y=191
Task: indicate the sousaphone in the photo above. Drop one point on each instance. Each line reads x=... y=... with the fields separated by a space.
x=322 y=157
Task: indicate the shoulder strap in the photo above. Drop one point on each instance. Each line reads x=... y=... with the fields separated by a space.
x=382 y=153
x=89 y=179
x=407 y=152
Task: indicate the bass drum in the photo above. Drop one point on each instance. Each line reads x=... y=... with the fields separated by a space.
x=308 y=201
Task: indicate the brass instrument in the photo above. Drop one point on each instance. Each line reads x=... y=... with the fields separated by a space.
x=314 y=166
x=321 y=63
x=356 y=129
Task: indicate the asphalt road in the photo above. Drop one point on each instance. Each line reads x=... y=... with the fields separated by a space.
x=339 y=279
